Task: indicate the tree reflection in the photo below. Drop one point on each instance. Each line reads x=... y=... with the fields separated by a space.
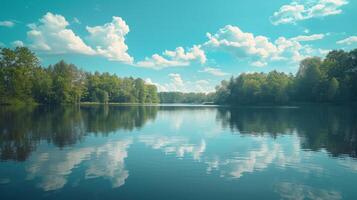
x=332 y=128
x=21 y=129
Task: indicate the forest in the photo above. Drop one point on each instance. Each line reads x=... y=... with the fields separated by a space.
x=329 y=80
x=181 y=97
x=24 y=80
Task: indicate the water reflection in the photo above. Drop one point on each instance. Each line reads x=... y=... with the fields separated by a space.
x=23 y=128
x=320 y=127
x=299 y=191
x=105 y=160
x=292 y=151
x=179 y=146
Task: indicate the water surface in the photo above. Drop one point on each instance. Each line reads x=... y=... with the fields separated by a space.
x=178 y=152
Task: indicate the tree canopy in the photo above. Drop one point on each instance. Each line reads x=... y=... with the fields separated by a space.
x=333 y=79
x=23 y=80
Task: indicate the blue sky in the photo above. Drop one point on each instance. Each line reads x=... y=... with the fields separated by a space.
x=179 y=45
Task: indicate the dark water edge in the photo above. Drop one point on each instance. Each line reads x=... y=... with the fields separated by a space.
x=199 y=152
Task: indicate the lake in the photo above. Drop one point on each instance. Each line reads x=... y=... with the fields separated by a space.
x=178 y=152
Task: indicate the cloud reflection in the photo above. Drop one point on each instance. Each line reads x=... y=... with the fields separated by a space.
x=54 y=167
x=295 y=191
x=180 y=146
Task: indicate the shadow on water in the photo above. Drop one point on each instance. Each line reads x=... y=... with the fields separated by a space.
x=333 y=128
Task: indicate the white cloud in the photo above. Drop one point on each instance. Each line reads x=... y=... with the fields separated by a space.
x=241 y=44
x=288 y=50
x=323 y=52
x=348 y=41
x=17 y=43
x=176 y=80
x=214 y=71
x=160 y=88
x=52 y=35
x=302 y=10
x=259 y=64
x=158 y=62
x=195 y=53
x=304 y=38
x=202 y=86
x=178 y=84
x=7 y=23
x=178 y=57
x=109 y=40
x=288 y=14
x=259 y=50
x=326 y=7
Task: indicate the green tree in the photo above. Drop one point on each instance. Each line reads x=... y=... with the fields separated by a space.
x=16 y=70
x=68 y=82
x=332 y=89
x=308 y=77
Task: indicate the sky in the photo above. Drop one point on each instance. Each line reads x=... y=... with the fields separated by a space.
x=181 y=45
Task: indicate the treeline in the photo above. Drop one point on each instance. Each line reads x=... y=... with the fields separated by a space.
x=180 y=97
x=333 y=79
x=23 y=80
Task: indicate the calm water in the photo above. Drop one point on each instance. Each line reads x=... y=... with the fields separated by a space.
x=130 y=152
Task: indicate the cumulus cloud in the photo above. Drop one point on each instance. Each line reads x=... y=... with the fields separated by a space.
x=178 y=57
x=17 y=43
x=177 y=81
x=302 y=10
x=178 y=84
x=214 y=71
x=160 y=88
x=259 y=50
x=348 y=41
x=7 y=23
x=241 y=44
x=52 y=35
x=288 y=49
x=109 y=40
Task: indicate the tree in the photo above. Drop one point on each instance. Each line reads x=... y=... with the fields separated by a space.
x=16 y=70
x=308 y=77
x=42 y=86
x=102 y=96
x=68 y=82
x=332 y=89
x=140 y=89
x=152 y=96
